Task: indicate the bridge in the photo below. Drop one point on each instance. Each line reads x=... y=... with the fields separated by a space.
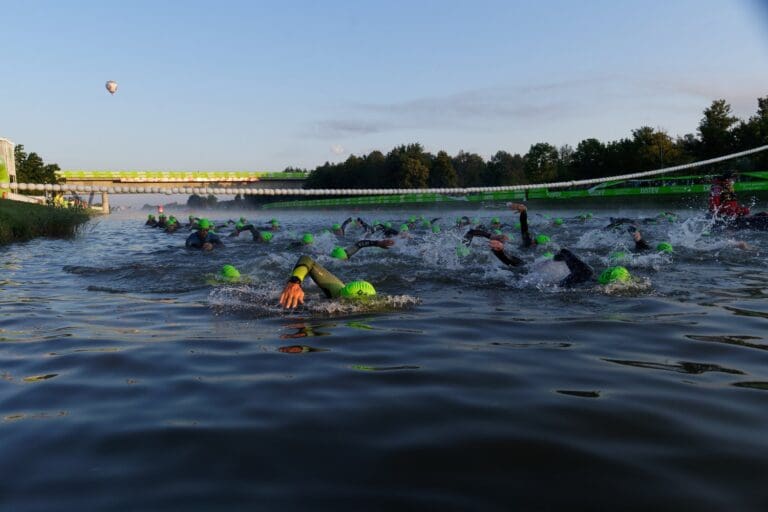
x=174 y=182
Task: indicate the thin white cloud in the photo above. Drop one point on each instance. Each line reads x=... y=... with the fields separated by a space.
x=337 y=149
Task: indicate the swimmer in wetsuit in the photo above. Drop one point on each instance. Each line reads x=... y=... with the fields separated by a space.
x=345 y=254
x=203 y=238
x=725 y=208
x=332 y=286
x=151 y=221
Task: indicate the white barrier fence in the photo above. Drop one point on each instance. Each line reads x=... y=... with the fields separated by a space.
x=361 y=192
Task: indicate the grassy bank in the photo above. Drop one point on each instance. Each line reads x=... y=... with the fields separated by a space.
x=22 y=221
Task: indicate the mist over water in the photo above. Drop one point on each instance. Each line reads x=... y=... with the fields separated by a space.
x=131 y=379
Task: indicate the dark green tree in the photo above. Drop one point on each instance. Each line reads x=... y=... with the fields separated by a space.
x=715 y=130
x=505 y=169
x=30 y=168
x=442 y=174
x=541 y=163
x=470 y=169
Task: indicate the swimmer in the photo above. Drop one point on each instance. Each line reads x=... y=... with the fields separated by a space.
x=347 y=253
x=172 y=225
x=332 y=286
x=203 y=238
x=151 y=221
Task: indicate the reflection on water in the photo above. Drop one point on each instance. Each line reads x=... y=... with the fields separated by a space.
x=130 y=379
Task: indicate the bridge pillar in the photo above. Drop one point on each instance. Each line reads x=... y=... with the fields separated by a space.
x=105 y=202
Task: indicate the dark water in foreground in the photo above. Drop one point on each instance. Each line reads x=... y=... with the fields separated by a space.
x=129 y=382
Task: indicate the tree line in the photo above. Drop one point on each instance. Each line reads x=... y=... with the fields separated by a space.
x=409 y=166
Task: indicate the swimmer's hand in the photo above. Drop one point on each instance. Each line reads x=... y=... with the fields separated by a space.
x=386 y=244
x=207 y=246
x=292 y=295
x=496 y=245
x=517 y=206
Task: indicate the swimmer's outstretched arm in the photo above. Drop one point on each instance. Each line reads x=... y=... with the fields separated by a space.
x=481 y=233
x=293 y=294
x=384 y=244
x=497 y=247
x=365 y=225
x=524 y=233
x=344 y=225
x=580 y=271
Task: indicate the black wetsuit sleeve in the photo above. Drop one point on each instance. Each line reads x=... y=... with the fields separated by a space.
x=580 y=271
x=194 y=241
x=526 y=236
x=473 y=233
x=508 y=259
x=641 y=245
x=360 y=245
x=365 y=225
x=344 y=224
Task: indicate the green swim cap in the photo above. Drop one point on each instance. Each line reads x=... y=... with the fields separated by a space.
x=150 y=216
x=618 y=255
x=671 y=218
x=411 y=219
x=229 y=273
x=425 y=223
x=307 y=238
x=511 y=236
x=542 y=239
x=265 y=235
x=558 y=221
x=358 y=290
x=336 y=227
x=239 y=225
x=404 y=227
x=548 y=255
x=665 y=247
x=339 y=252
x=387 y=224
x=495 y=220
x=435 y=229
x=242 y=219
x=497 y=232
x=517 y=225
x=204 y=224
x=613 y=274
x=273 y=221
x=462 y=251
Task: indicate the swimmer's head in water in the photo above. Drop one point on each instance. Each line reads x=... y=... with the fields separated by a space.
x=387 y=224
x=495 y=220
x=411 y=219
x=517 y=225
x=542 y=239
x=435 y=229
x=425 y=223
x=404 y=227
x=150 y=217
x=497 y=232
x=558 y=221
x=265 y=235
x=307 y=238
x=239 y=225
x=614 y=274
x=242 y=219
x=336 y=227
x=665 y=247
x=204 y=224
x=462 y=251
x=617 y=256
x=339 y=253
x=358 y=290
x=548 y=255
x=229 y=273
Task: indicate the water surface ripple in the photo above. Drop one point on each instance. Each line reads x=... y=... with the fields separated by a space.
x=131 y=380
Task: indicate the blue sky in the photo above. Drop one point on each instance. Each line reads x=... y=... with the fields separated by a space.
x=265 y=85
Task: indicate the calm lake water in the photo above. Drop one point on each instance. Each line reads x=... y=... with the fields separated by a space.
x=132 y=380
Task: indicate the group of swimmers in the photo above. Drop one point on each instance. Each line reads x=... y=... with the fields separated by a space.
x=723 y=208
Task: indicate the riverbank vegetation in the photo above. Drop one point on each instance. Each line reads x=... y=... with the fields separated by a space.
x=23 y=221
x=409 y=166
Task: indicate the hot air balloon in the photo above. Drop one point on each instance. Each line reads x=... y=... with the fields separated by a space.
x=111 y=86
